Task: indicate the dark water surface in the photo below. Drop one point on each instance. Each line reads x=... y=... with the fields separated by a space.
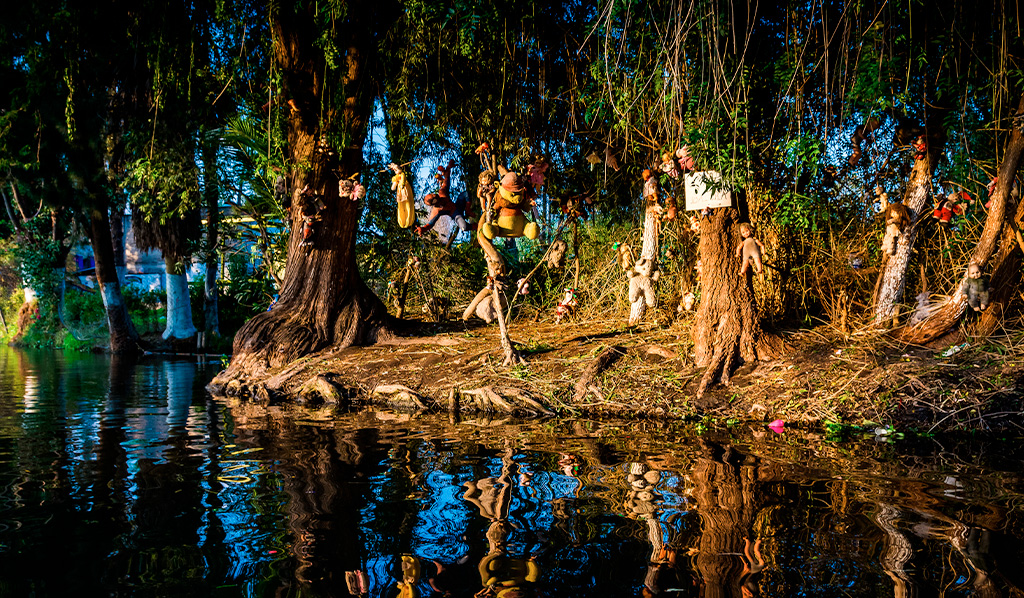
x=127 y=479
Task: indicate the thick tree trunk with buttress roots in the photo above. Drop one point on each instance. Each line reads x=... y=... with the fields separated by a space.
x=323 y=302
x=893 y=278
x=179 y=304
x=997 y=232
x=123 y=338
x=728 y=326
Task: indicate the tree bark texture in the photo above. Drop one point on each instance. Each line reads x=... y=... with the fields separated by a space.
x=123 y=337
x=179 y=306
x=893 y=278
x=323 y=302
x=728 y=327
x=1006 y=271
x=727 y=498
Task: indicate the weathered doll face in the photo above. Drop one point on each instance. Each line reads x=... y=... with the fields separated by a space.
x=746 y=231
x=973 y=271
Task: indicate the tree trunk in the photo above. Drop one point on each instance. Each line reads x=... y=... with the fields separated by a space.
x=1005 y=273
x=211 y=192
x=323 y=301
x=117 y=238
x=728 y=326
x=179 y=304
x=123 y=338
x=893 y=277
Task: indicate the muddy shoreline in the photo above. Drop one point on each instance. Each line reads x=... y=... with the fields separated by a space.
x=604 y=369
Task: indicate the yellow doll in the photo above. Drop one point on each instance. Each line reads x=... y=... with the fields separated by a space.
x=403 y=193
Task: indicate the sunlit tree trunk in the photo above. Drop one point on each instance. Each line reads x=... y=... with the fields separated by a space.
x=1006 y=271
x=728 y=326
x=893 y=278
x=323 y=302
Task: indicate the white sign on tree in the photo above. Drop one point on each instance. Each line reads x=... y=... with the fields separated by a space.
x=704 y=190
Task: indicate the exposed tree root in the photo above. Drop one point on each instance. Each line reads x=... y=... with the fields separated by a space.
x=603 y=361
x=320 y=389
x=514 y=402
x=398 y=397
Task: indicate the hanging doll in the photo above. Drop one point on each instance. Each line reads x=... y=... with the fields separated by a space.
x=309 y=213
x=609 y=158
x=556 y=254
x=947 y=208
x=351 y=188
x=650 y=188
x=440 y=204
x=642 y=277
x=573 y=206
x=566 y=306
x=309 y=220
x=749 y=250
x=537 y=171
x=684 y=158
x=510 y=201
x=920 y=146
x=897 y=218
x=624 y=255
x=1014 y=191
x=483 y=151
x=403 y=195
x=975 y=288
x=668 y=165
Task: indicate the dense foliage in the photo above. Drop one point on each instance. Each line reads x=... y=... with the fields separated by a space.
x=768 y=94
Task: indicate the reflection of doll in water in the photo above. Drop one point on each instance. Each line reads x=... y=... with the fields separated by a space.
x=500 y=574
x=643 y=503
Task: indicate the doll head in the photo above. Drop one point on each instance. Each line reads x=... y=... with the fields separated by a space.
x=973 y=271
x=746 y=230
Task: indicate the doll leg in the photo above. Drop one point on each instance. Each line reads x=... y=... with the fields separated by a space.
x=757 y=263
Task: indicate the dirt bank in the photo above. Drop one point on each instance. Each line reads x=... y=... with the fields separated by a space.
x=604 y=368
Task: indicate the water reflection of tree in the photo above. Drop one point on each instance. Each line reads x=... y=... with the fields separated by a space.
x=322 y=472
x=730 y=493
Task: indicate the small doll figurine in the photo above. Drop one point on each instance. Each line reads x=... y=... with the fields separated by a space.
x=684 y=158
x=566 y=305
x=308 y=228
x=624 y=255
x=1014 y=191
x=694 y=223
x=483 y=151
x=668 y=165
x=975 y=288
x=537 y=171
x=947 y=208
x=650 y=188
x=920 y=146
x=403 y=195
x=687 y=302
x=749 y=250
x=897 y=218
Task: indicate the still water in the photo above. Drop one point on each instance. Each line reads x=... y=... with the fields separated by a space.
x=127 y=479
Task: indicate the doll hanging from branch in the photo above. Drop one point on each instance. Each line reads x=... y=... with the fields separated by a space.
x=404 y=197
x=749 y=250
